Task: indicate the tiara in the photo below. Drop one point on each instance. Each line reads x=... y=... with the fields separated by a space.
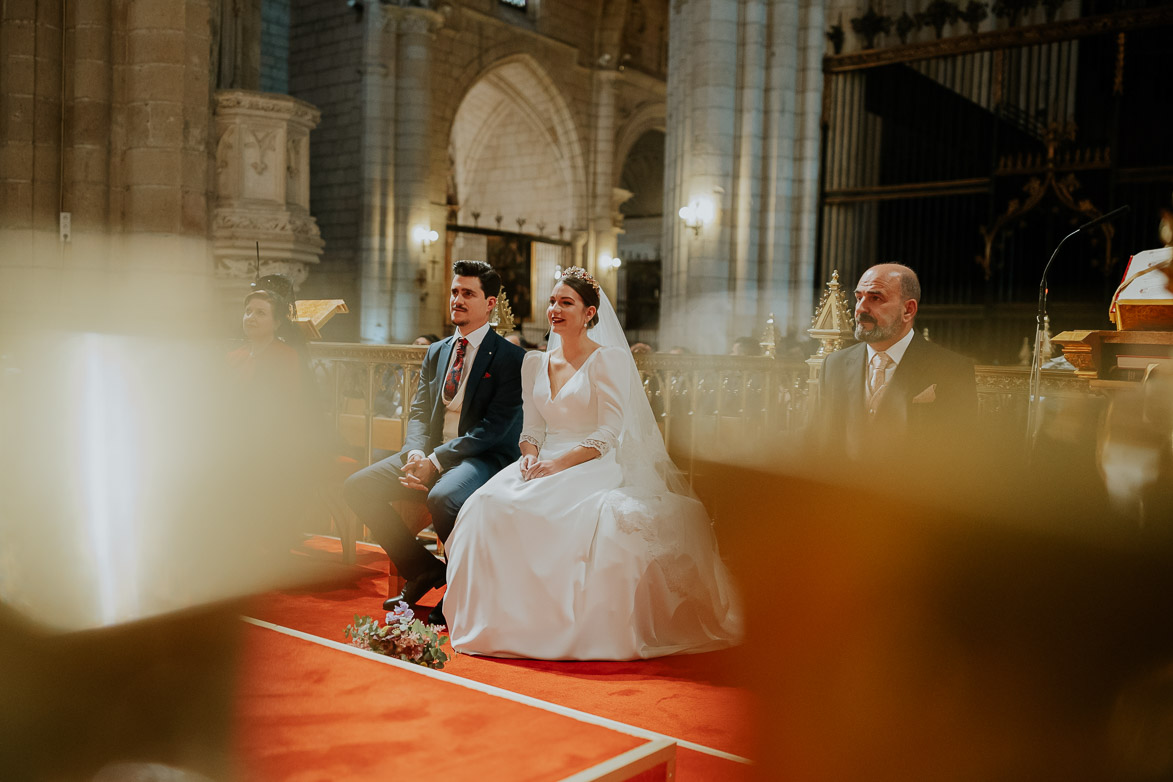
x=581 y=273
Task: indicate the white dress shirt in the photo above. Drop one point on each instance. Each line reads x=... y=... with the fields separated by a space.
x=896 y=353
x=452 y=413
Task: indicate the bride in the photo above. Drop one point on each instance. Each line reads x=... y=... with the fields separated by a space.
x=591 y=546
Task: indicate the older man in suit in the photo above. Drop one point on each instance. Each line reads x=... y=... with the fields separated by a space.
x=894 y=389
x=464 y=427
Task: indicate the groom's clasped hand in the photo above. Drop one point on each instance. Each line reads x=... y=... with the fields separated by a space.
x=418 y=472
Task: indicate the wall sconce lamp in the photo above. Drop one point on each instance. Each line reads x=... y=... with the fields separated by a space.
x=425 y=236
x=613 y=262
x=696 y=214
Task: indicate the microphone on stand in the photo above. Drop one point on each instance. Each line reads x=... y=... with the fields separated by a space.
x=1104 y=218
x=1036 y=368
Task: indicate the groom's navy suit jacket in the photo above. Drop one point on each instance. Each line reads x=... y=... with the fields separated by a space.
x=490 y=416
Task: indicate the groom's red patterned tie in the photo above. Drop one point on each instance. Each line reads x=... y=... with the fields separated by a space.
x=452 y=382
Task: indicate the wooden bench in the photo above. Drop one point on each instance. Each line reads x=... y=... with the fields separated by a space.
x=386 y=435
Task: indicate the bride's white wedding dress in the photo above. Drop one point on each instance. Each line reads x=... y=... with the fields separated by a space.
x=585 y=564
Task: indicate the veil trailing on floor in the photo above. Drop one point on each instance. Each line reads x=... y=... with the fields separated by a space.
x=647 y=468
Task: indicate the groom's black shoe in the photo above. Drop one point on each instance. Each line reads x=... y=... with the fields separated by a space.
x=436 y=615
x=415 y=589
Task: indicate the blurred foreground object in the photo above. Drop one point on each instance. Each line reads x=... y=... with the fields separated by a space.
x=933 y=626
x=1133 y=368
x=130 y=528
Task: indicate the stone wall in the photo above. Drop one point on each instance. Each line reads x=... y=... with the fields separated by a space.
x=390 y=98
x=324 y=60
x=108 y=122
x=275 y=46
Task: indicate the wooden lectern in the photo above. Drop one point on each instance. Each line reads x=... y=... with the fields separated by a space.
x=1143 y=340
x=312 y=314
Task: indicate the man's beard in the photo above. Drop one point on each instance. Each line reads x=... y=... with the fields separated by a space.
x=877 y=333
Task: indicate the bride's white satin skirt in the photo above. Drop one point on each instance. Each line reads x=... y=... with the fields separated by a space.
x=571 y=567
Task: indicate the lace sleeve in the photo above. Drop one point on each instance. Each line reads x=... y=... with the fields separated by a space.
x=533 y=427
x=607 y=378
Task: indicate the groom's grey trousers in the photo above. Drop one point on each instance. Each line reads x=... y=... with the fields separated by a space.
x=370 y=492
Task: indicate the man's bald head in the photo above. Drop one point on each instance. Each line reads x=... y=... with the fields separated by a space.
x=886 y=301
x=909 y=284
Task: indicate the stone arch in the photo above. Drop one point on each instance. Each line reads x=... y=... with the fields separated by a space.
x=651 y=115
x=513 y=125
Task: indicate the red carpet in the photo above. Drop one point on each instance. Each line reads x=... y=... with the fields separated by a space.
x=298 y=727
x=690 y=697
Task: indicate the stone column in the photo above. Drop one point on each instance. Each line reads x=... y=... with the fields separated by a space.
x=398 y=284
x=414 y=280
x=378 y=170
x=741 y=152
x=603 y=241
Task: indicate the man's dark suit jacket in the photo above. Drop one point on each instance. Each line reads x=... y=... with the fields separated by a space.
x=929 y=407
x=490 y=417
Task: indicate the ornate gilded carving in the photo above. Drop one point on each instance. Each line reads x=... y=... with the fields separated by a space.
x=870 y=26
x=974 y=14
x=938 y=14
x=1016 y=380
x=833 y=324
x=1013 y=10
x=993 y=40
x=375 y=354
x=836 y=36
x=1067 y=160
x=501 y=319
x=1063 y=187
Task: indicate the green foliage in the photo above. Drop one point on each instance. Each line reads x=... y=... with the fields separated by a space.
x=403 y=637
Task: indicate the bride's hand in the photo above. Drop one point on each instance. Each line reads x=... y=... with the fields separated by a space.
x=527 y=462
x=541 y=469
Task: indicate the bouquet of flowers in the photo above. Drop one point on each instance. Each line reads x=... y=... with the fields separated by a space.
x=402 y=636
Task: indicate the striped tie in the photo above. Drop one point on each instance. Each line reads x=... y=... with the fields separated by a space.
x=877 y=378
x=452 y=382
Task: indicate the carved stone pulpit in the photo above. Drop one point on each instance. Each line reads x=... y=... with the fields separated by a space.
x=263 y=189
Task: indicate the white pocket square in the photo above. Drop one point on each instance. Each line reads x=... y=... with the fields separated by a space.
x=928 y=395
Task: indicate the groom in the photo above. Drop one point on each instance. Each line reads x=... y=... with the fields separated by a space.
x=464 y=427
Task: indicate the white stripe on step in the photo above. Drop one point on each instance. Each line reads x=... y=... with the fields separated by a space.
x=565 y=711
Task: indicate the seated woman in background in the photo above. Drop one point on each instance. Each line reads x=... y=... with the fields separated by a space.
x=266 y=360
x=273 y=410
